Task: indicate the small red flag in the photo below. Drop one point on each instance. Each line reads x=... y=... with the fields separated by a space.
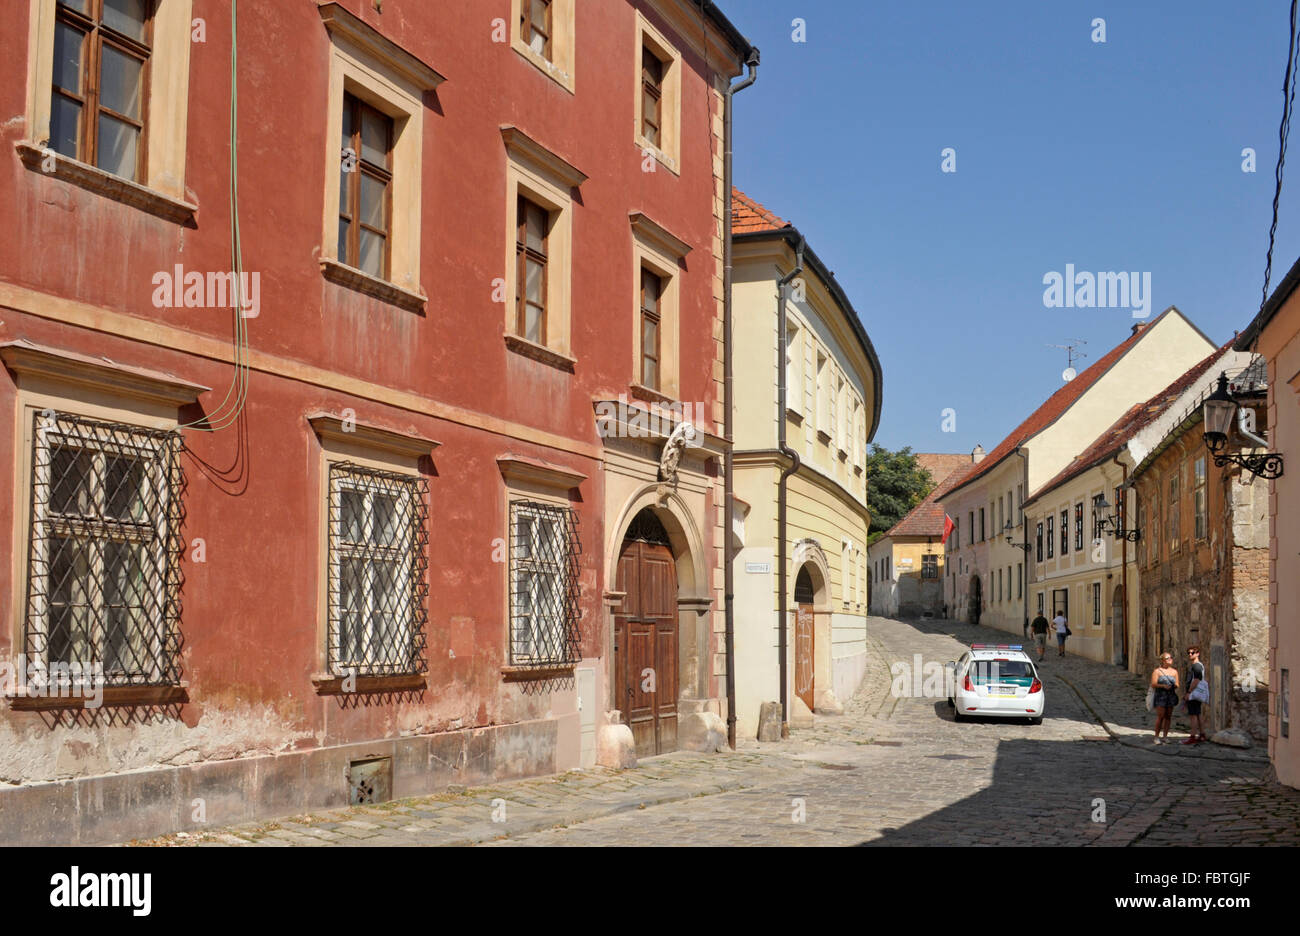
x=947 y=528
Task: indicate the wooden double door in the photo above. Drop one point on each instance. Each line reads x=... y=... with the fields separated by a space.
x=645 y=646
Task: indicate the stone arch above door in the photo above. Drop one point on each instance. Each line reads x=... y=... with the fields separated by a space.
x=808 y=553
x=683 y=535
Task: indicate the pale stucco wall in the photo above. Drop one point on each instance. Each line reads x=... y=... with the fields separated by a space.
x=1280 y=344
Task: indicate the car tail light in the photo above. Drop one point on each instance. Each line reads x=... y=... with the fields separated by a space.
x=967 y=684
x=1036 y=686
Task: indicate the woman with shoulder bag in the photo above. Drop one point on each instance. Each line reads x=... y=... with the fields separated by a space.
x=1164 y=680
x=1198 y=693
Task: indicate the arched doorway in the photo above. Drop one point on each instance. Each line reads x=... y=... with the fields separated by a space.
x=804 y=659
x=975 y=601
x=645 y=636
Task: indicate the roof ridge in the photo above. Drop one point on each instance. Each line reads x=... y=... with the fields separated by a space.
x=1060 y=401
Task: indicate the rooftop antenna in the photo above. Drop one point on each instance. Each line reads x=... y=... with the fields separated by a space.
x=1071 y=352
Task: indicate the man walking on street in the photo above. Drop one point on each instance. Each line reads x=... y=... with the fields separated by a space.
x=1039 y=627
x=1062 y=631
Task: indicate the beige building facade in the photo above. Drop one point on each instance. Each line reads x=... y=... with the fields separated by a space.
x=988 y=573
x=800 y=474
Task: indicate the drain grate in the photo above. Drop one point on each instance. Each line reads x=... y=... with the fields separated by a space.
x=888 y=743
x=836 y=766
x=952 y=756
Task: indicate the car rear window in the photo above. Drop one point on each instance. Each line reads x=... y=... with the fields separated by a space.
x=983 y=672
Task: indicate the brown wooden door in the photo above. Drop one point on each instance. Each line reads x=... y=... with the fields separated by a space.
x=803 y=654
x=645 y=646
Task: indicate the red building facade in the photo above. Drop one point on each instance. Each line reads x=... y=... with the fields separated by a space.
x=374 y=532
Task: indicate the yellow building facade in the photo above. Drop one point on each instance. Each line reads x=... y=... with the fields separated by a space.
x=799 y=474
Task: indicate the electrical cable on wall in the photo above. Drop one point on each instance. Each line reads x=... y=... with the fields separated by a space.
x=228 y=412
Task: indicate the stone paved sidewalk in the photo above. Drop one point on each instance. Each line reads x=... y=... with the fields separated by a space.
x=1116 y=697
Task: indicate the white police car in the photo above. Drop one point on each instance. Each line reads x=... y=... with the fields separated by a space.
x=997 y=680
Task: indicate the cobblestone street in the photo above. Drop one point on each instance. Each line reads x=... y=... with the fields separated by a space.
x=890 y=771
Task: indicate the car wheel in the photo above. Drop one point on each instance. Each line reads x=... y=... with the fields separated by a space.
x=1036 y=721
x=956 y=714
x=951 y=705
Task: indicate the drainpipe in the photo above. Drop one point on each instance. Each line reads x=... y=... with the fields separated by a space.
x=728 y=491
x=1024 y=538
x=783 y=292
x=1123 y=571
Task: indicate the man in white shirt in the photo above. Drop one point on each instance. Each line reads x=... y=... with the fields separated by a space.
x=1062 y=631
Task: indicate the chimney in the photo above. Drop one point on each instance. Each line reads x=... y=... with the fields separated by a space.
x=977 y=454
x=1138 y=326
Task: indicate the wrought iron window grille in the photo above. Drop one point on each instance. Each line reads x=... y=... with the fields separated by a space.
x=378 y=563
x=544 y=590
x=104 y=547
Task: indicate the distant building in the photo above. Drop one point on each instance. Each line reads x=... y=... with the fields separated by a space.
x=906 y=565
x=987 y=581
x=1085 y=570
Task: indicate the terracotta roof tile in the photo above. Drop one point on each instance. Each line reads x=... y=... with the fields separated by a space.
x=1138 y=416
x=748 y=215
x=1058 y=403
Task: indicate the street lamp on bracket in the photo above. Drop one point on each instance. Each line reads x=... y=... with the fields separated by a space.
x=1219 y=409
x=1114 y=524
x=1009 y=532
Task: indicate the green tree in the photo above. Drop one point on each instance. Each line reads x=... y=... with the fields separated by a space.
x=895 y=484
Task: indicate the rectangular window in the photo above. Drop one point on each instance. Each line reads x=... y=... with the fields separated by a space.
x=981 y=524
x=365 y=186
x=823 y=396
x=1038 y=539
x=1199 y=499
x=1078 y=526
x=535 y=26
x=378 y=556
x=651 y=289
x=98 y=107
x=956 y=533
x=1020 y=504
x=793 y=356
x=1020 y=580
x=1174 y=513
x=543 y=584
x=1040 y=602
x=970 y=520
x=532 y=230
x=929 y=567
x=1065 y=531
x=1096 y=604
x=999 y=585
x=104 y=576
x=658 y=102
x=652 y=92
x=1142 y=538
x=1051 y=536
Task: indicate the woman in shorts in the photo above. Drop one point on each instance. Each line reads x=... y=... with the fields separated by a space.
x=1164 y=680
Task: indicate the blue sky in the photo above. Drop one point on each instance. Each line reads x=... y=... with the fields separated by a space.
x=1115 y=156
